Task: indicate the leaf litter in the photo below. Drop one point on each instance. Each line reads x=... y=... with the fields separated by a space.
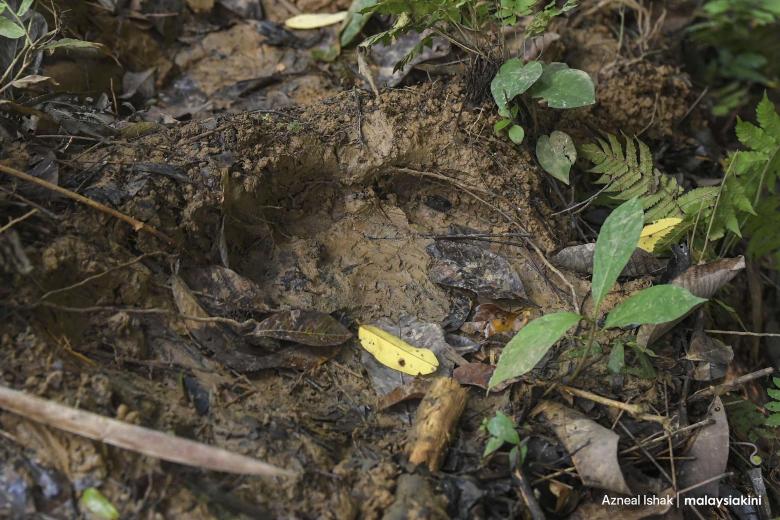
x=317 y=224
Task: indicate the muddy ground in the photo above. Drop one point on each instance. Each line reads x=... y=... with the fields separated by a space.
x=327 y=200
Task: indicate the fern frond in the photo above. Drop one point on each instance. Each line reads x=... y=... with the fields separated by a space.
x=630 y=173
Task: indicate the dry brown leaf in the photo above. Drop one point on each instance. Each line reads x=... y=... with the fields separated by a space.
x=711 y=355
x=416 y=389
x=580 y=260
x=709 y=452
x=474 y=374
x=313 y=328
x=471 y=267
x=490 y=319
x=227 y=346
x=592 y=447
x=702 y=281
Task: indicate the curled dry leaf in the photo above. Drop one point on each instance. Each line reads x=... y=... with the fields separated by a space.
x=592 y=447
x=32 y=80
x=312 y=328
x=580 y=260
x=224 y=292
x=711 y=355
x=702 y=281
x=467 y=266
x=709 y=454
x=490 y=319
x=226 y=345
x=385 y=57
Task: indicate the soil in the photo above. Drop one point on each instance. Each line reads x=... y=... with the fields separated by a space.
x=326 y=200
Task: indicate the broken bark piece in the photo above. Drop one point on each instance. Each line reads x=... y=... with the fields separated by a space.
x=434 y=422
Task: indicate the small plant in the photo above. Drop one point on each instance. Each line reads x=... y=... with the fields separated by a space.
x=740 y=35
x=774 y=405
x=466 y=24
x=616 y=243
x=714 y=211
x=554 y=83
x=28 y=38
x=502 y=431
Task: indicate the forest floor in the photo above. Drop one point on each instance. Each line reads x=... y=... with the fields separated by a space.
x=273 y=182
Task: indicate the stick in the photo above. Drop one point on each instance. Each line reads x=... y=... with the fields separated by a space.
x=134 y=438
x=434 y=422
x=729 y=385
x=137 y=225
x=635 y=410
x=527 y=493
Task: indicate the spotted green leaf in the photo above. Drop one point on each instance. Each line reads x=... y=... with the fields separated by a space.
x=616 y=243
x=658 y=304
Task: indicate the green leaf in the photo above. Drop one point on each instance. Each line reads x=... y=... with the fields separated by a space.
x=493 y=444
x=512 y=79
x=500 y=125
x=773 y=420
x=502 y=427
x=556 y=153
x=773 y=406
x=658 y=304
x=776 y=381
x=355 y=20
x=616 y=243
x=9 y=29
x=24 y=7
x=96 y=503
x=529 y=346
x=617 y=358
x=516 y=134
x=773 y=393
x=768 y=117
x=563 y=87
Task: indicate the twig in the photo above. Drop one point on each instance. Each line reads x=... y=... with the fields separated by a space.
x=137 y=225
x=730 y=385
x=98 y=275
x=13 y=222
x=705 y=482
x=635 y=410
x=527 y=493
x=646 y=453
x=240 y=325
x=738 y=333
x=134 y=438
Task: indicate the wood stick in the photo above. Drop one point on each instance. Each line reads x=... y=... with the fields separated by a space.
x=434 y=422
x=137 y=225
x=134 y=438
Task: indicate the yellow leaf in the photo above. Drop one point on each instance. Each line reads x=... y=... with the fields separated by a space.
x=315 y=21
x=396 y=353
x=654 y=232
